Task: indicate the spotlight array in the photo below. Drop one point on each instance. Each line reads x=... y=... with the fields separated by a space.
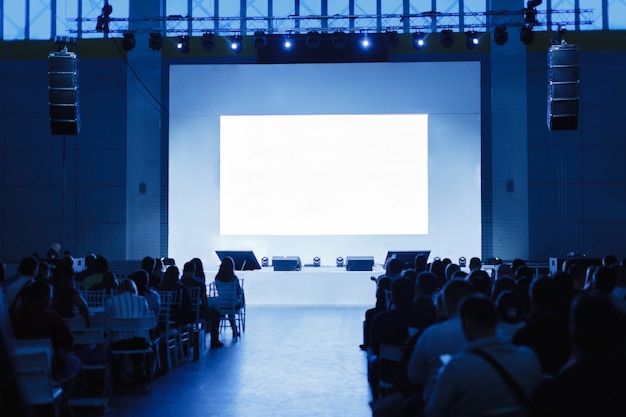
x=419 y=40
x=183 y=44
x=446 y=38
x=155 y=41
x=471 y=39
x=500 y=35
x=236 y=43
x=288 y=42
x=338 y=39
x=128 y=41
x=313 y=40
x=526 y=35
x=259 y=40
x=208 y=41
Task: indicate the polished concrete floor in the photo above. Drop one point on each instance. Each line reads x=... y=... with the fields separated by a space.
x=291 y=361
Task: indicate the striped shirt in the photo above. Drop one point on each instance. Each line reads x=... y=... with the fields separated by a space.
x=127 y=305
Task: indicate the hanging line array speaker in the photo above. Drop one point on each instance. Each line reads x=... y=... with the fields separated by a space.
x=563 y=82
x=63 y=98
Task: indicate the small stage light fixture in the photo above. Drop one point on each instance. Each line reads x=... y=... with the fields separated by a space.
x=419 y=40
x=500 y=35
x=340 y=263
x=338 y=39
x=183 y=44
x=265 y=261
x=208 y=41
x=128 y=41
x=366 y=42
x=317 y=261
x=526 y=35
x=155 y=41
x=259 y=40
x=236 y=44
x=462 y=262
x=392 y=39
x=288 y=42
x=446 y=38
x=471 y=39
x=313 y=40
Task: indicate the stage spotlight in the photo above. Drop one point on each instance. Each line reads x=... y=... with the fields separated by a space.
x=265 y=261
x=558 y=36
x=446 y=38
x=317 y=261
x=365 y=41
x=500 y=35
x=419 y=40
x=313 y=40
x=392 y=39
x=471 y=39
x=338 y=39
x=340 y=262
x=208 y=41
x=155 y=41
x=462 y=262
x=259 y=40
x=288 y=42
x=236 y=44
x=526 y=35
x=183 y=44
x=128 y=41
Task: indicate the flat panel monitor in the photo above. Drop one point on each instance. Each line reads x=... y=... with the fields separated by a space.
x=244 y=259
x=407 y=257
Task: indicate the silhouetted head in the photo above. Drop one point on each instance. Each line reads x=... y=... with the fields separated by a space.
x=402 y=292
x=453 y=293
x=517 y=262
x=604 y=279
x=227 y=269
x=596 y=325
x=475 y=263
x=28 y=266
x=420 y=263
x=393 y=266
x=609 y=260
x=109 y=280
x=546 y=295
x=147 y=263
x=450 y=270
x=140 y=278
x=507 y=308
x=62 y=273
x=127 y=285
x=504 y=270
x=170 y=277
x=480 y=281
x=90 y=259
x=501 y=285
x=101 y=265
x=478 y=317
x=199 y=267
x=38 y=293
x=426 y=284
x=189 y=268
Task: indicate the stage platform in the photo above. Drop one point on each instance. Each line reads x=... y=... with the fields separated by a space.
x=312 y=286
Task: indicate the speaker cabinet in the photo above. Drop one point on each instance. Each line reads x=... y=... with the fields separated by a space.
x=563 y=87
x=63 y=96
x=286 y=263
x=359 y=263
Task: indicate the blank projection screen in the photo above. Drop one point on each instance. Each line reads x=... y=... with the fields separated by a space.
x=324 y=160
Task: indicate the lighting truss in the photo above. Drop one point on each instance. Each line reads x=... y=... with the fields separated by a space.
x=425 y=22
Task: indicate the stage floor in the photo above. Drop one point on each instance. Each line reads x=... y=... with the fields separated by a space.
x=312 y=286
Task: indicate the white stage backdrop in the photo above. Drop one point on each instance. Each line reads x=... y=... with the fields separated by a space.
x=324 y=160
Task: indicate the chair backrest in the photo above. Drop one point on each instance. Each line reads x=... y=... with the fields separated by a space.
x=90 y=336
x=124 y=324
x=74 y=323
x=196 y=299
x=94 y=298
x=227 y=297
x=34 y=372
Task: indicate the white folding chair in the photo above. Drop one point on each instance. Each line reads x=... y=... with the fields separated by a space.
x=33 y=369
x=136 y=325
x=231 y=306
x=93 y=341
x=169 y=330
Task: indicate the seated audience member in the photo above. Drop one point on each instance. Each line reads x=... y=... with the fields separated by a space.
x=140 y=278
x=392 y=327
x=609 y=260
x=109 y=283
x=183 y=312
x=481 y=281
x=522 y=292
x=127 y=304
x=158 y=269
x=517 y=262
x=34 y=319
x=444 y=338
x=208 y=313
x=199 y=271
x=593 y=381
x=65 y=297
x=503 y=270
x=26 y=273
x=475 y=263
x=603 y=279
x=420 y=263
x=90 y=259
x=547 y=329
x=147 y=264
x=393 y=269
x=423 y=304
x=450 y=270
x=100 y=266
x=500 y=285
x=438 y=268
x=44 y=272
x=226 y=273
x=509 y=316
x=470 y=384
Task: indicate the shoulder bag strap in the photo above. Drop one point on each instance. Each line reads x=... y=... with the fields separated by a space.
x=517 y=390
